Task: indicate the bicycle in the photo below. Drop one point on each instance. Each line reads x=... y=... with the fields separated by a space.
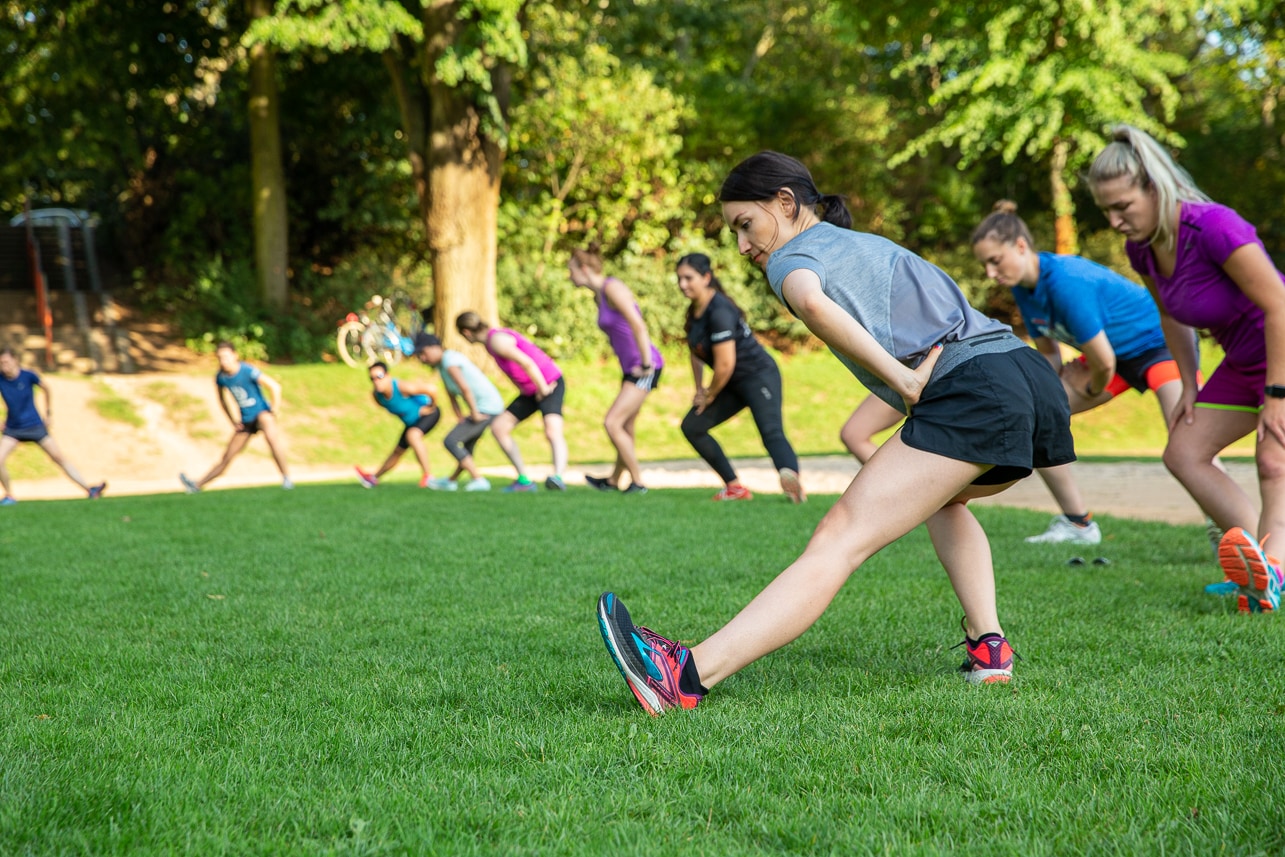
x=362 y=340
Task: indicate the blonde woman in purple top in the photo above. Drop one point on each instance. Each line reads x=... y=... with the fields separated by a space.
x=640 y=363
x=1207 y=269
x=540 y=388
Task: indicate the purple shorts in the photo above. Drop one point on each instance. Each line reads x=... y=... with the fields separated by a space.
x=1234 y=387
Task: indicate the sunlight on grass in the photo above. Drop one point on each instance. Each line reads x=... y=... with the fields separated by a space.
x=185 y=410
x=395 y=672
x=110 y=405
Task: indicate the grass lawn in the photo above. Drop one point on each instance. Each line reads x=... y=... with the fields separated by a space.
x=334 y=671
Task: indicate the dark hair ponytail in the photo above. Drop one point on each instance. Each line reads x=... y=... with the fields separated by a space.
x=761 y=176
x=701 y=264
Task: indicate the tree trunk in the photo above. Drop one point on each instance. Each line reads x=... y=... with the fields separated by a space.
x=462 y=160
x=267 y=174
x=1063 y=205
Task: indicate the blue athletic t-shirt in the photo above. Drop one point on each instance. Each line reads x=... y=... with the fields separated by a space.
x=244 y=386
x=1075 y=299
x=20 y=398
x=406 y=408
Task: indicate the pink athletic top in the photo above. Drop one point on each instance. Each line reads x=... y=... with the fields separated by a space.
x=1200 y=293
x=621 y=335
x=514 y=370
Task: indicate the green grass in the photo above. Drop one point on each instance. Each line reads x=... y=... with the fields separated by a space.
x=184 y=409
x=332 y=671
x=112 y=406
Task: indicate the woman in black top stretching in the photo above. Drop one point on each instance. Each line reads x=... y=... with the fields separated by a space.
x=745 y=375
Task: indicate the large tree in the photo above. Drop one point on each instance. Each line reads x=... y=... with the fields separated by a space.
x=450 y=65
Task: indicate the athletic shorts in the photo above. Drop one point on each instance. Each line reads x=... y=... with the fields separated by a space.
x=1150 y=370
x=30 y=434
x=424 y=424
x=251 y=426
x=1008 y=410
x=646 y=382
x=551 y=405
x=1234 y=388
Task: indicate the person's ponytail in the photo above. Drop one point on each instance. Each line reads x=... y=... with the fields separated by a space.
x=834 y=209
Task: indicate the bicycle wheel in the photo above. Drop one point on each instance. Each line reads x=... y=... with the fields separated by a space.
x=348 y=342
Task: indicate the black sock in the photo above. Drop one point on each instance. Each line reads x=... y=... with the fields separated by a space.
x=1080 y=520
x=689 y=681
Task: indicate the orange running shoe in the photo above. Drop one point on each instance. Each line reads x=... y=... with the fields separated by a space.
x=1258 y=575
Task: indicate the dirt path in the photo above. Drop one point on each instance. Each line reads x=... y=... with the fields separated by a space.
x=184 y=430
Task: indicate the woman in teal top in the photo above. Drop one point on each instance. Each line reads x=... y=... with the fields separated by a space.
x=412 y=403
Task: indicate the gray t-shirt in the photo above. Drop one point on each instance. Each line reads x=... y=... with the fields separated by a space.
x=906 y=303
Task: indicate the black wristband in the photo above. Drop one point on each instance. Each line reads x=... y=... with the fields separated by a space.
x=1275 y=391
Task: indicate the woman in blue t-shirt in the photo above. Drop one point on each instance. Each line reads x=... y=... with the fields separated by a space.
x=1111 y=321
x=23 y=424
x=744 y=376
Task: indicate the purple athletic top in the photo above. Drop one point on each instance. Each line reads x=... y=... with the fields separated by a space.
x=514 y=370
x=621 y=335
x=1200 y=293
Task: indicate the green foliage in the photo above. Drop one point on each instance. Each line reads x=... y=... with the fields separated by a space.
x=622 y=127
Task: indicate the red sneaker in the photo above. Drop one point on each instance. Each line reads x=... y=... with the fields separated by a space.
x=989 y=660
x=734 y=492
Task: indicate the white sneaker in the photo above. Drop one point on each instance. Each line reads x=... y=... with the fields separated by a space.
x=441 y=483
x=1062 y=530
x=479 y=484
x=287 y=484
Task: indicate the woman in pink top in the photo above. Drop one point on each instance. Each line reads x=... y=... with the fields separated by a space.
x=540 y=388
x=640 y=362
x=1207 y=269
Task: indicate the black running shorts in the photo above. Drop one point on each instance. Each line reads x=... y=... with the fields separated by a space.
x=1007 y=410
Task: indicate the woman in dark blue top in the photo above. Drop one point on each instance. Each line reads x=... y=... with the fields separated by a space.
x=23 y=424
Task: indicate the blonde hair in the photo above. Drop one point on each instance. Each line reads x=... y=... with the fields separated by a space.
x=1134 y=153
x=1004 y=226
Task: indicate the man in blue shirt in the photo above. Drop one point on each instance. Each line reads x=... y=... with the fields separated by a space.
x=254 y=414
x=23 y=424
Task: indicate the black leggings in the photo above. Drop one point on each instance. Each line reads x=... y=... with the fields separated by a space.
x=761 y=393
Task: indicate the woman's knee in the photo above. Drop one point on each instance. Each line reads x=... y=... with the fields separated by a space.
x=1180 y=458
x=693 y=427
x=1271 y=464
